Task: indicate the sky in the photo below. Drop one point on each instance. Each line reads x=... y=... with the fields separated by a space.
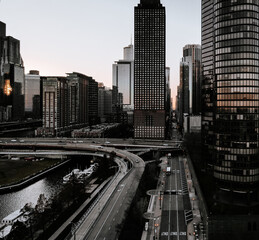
x=62 y=36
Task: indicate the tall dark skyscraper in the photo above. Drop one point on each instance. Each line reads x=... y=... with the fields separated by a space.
x=149 y=70
x=230 y=121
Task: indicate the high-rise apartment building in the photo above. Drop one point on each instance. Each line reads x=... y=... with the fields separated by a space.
x=230 y=91
x=123 y=77
x=78 y=93
x=149 y=70
x=55 y=106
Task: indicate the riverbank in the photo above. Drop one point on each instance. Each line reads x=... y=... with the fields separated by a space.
x=16 y=175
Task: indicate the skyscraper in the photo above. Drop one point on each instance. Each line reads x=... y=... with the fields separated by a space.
x=190 y=81
x=122 y=77
x=11 y=78
x=230 y=120
x=149 y=70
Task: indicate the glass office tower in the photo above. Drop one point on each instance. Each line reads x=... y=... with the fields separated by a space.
x=230 y=62
x=149 y=70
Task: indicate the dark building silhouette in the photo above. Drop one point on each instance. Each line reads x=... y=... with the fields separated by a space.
x=231 y=93
x=190 y=82
x=149 y=70
x=11 y=78
x=78 y=95
x=93 y=101
x=230 y=116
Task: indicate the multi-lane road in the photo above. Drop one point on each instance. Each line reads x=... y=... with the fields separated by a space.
x=176 y=204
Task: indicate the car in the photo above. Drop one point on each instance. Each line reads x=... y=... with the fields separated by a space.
x=80 y=141
x=107 y=142
x=146 y=226
x=13 y=140
x=137 y=161
x=21 y=141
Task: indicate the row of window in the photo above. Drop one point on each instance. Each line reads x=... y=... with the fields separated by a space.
x=236 y=15
x=237 y=42
x=234 y=178
x=220 y=3
x=233 y=117
x=247 y=21
x=228 y=110
x=236 y=35
x=237 y=62
x=234 y=56
x=239 y=96
x=237 y=76
x=237 y=103
x=241 y=83
x=235 y=8
x=237 y=151
x=236 y=49
x=240 y=69
x=236 y=29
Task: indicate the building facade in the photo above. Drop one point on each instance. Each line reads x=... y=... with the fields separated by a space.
x=230 y=93
x=78 y=94
x=123 y=77
x=149 y=70
x=55 y=106
x=190 y=82
x=11 y=78
x=93 y=101
x=32 y=95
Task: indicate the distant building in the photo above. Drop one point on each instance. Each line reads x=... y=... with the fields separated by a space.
x=11 y=78
x=55 y=106
x=78 y=94
x=93 y=101
x=192 y=124
x=32 y=94
x=149 y=70
x=190 y=82
x=101 y=92
x=123 y=77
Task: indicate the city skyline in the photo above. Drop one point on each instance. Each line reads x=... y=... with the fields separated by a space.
x=84 y=47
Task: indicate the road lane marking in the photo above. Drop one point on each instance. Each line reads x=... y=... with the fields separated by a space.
x=108 y=215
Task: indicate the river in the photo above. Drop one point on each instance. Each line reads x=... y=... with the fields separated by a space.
x=49 y=186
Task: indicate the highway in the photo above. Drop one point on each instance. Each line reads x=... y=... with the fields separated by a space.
x=110 y=210
x=113 y=213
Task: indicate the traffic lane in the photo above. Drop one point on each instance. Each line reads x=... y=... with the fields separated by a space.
x=105 y=227
x=173 y=234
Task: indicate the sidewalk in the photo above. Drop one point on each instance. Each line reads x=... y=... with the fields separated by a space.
x=155 y=207
x=192 y=227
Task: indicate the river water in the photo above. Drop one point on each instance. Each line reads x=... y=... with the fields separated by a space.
x=49 y=186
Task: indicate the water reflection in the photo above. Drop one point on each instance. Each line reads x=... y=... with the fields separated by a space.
x=16 y=200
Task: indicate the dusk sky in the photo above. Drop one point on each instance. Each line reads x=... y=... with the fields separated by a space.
x=85 y=36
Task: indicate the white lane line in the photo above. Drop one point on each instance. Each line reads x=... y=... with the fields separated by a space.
x=108 y=214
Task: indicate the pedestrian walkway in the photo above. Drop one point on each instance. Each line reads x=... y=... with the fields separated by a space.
x=193 y=228
x=154 y=211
